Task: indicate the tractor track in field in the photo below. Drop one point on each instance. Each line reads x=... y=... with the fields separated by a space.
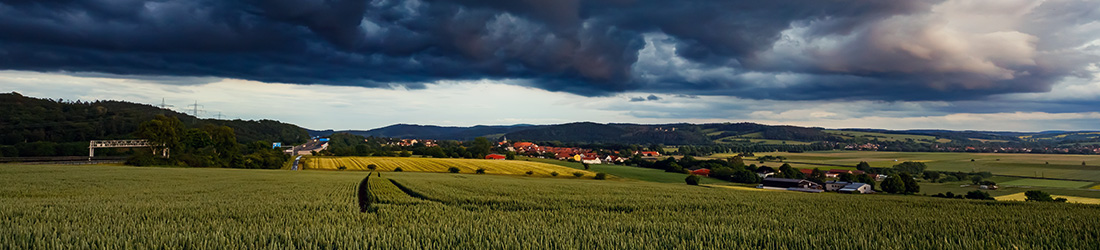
x=412 y=193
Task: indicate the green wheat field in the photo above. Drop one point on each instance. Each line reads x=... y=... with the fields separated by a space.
x=114 y=207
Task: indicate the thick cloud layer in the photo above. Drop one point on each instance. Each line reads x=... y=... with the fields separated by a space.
x=785 y=49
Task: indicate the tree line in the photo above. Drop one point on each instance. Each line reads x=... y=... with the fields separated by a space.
x=205 y=146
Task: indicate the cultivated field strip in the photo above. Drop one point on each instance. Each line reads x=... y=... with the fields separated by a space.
x=441 y=165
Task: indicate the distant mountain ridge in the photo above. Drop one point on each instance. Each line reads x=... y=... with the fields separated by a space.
x=687 y=134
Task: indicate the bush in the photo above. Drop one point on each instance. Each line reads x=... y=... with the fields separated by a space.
x=530 y=172
x=372 y=166
x=341 y=167
x=601 y=176
x=398 y=169
x=692 y=180
x=480 y=171
x=578 y=174
x=452 y=170
x=553 y=173
x=978 y=195
x=1036 y=195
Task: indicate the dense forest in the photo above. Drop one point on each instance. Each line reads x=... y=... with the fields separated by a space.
x=44 y=127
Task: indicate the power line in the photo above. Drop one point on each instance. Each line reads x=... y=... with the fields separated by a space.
x=195 y=109
x=163 y=105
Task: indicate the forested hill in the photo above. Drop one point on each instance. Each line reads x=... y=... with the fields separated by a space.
x=27 y=119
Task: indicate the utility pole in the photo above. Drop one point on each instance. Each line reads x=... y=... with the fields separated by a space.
x=219 y=115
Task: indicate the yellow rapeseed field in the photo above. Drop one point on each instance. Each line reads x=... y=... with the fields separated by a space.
x=504 y=167
x=1021 y=197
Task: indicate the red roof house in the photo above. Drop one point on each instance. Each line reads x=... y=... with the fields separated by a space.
x=703 y=172
x=495 y=157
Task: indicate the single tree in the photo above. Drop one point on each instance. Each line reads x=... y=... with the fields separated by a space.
x=453 y=170
x=372 y=167
x=864 y=166
x=893 y=185
x=911 y=186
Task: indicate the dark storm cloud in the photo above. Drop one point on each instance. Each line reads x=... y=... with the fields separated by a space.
x=749 y=49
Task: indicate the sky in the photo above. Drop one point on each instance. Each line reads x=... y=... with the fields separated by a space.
x=1011 y=65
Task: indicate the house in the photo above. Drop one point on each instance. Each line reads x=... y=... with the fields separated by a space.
x=524 y=145
x=701 y=172
x=650 y=153
x=613 y=159
x=591 y=160
x=765 y=171
x=495 y=157
x=878 y=177
x=805 y=171
x=791 y=184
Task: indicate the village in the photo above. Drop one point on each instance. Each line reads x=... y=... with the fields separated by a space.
x=766 y=174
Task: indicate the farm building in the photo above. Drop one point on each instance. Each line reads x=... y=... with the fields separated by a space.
x=701 y=172
x=591 y=160
x=495 y=157
x=791 y=184
x=650 y=153
x=848 y=187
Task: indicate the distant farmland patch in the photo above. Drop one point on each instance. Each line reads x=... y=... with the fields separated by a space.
x=441 y=165
x=1046 y=183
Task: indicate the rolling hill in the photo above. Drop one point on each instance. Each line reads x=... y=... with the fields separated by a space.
x=26 y=119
